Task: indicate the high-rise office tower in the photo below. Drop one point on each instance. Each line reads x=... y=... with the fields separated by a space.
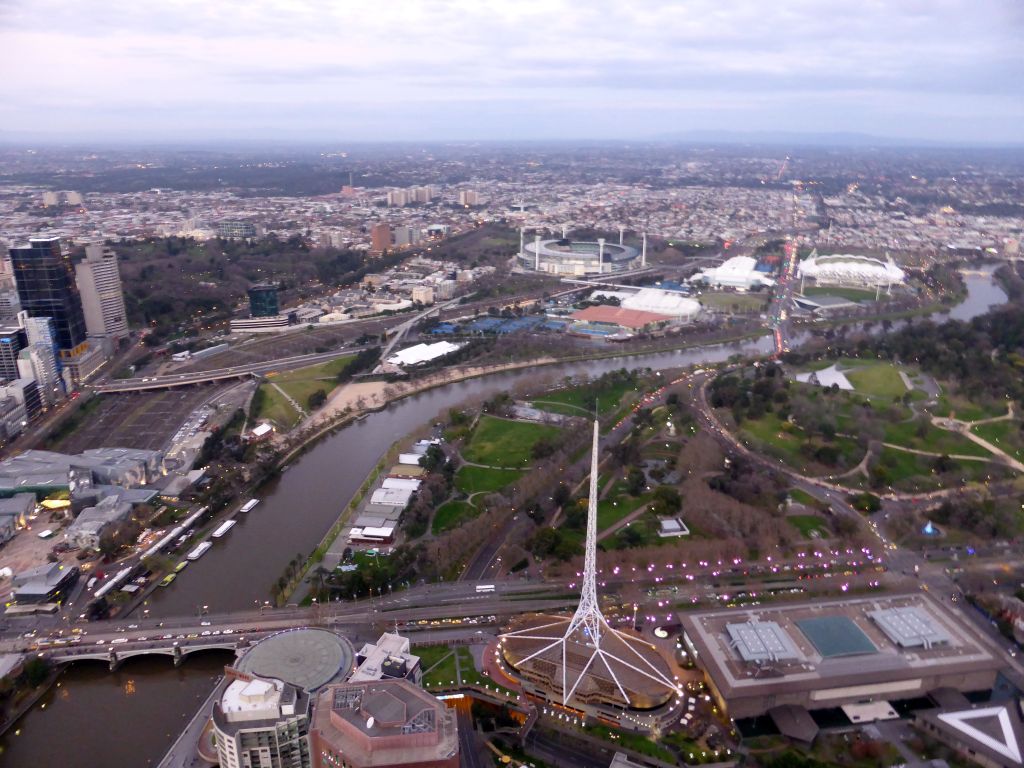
x=380 y=237
x=404 y=235
x=38 y=363
x=46 y=287
x=39 y=358
x=99 y=283
x=12 y=341
x=10 y=305
x=263 y=300
x=6 y=270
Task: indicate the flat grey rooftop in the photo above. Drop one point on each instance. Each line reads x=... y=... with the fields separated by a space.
x=306 y=658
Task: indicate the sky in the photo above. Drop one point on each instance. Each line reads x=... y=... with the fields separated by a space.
x=947 y=71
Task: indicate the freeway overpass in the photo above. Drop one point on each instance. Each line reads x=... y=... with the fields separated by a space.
x=222 y=374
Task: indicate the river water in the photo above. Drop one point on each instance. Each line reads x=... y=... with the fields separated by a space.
x=131 y=717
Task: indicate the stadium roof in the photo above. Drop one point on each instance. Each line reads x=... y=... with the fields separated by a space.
x=761 y=641
x=836 y=636
x=909 y=627
x=851 y=268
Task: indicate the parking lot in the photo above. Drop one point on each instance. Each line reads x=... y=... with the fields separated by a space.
x=139 y=419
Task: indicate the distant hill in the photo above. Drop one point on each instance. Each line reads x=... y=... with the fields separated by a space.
x=798 y=139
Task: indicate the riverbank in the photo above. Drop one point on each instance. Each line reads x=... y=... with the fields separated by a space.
x=352 y=401
x=13 y=714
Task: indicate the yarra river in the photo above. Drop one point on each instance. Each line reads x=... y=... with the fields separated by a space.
x=130 y=717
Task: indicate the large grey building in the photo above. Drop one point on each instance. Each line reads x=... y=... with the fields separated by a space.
x=830 y=654
x=44 y=472
x=99 y=283
x=90 y=525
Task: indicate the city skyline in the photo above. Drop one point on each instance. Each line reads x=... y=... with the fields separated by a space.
x=443 y=71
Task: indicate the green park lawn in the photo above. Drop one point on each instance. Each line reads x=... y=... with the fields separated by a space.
x=800 y=496
x=438 y=663
x=1006 y=435
x=877 y=378
x=452 y=514
x=853 y=294
x=483 y=479
x=934 y=440
x=961 y=408
x=303 y=382
x=909 y=471
x=734 y=302
x=274 y=406
x=617 y=504
x=299 y=384
x=503 y=443
x=811 y=526
x=786 y=443
x=573 y=402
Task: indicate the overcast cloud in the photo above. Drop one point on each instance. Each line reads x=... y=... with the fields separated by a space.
x=948 y=70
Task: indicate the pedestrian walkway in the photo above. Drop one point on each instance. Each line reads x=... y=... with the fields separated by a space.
x=291 y=401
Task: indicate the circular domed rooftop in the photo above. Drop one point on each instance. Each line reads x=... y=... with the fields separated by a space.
x=307 y=658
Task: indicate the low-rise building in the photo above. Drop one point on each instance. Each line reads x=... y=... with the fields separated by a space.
x=389 y=657
x=826 y=654
x=89 y=527
x=14 y=513
x=382 y=723
x=47 y=583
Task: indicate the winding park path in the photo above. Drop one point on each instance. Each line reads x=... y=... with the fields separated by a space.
x=964 y=428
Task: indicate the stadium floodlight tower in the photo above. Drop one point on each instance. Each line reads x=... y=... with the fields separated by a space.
x=588 y=632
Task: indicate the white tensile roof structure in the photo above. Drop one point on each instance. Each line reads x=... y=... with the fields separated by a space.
x=422 y=353
x=826 y=377
x=850 y=269
x=737 y=272
x=656 y=300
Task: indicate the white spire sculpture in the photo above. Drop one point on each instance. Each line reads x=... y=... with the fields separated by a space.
x=588 y=630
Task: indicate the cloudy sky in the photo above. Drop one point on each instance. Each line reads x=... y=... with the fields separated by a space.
x=946 y=70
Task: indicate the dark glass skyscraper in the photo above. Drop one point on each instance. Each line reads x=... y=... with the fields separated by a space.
x=46 y=287
x=12 y=341
x=263 y=300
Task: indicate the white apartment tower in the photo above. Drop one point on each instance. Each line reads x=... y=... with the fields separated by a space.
x=39 y=358
x=99 y=283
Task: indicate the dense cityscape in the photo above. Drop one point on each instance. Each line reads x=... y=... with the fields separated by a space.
x=597 y=386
